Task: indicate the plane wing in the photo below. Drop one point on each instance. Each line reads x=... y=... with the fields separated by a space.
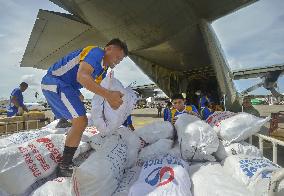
x=257 y=72
x=171 y=41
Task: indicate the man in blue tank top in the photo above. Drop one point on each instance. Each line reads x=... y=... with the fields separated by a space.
x=17 y=100
x=86 y=68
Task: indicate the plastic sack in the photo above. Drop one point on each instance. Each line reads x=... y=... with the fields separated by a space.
x=58 y=187
x=210 y=179
x=130 y=176
x=133 y=143
x=244 y=148
x=101 y=173
x=155 y=131
x=248 y=170
x=22 y=137
x=165 y=175
x=232 y=127
x=159 y=148
x=33 y=160
x=104 y=117
x=196 y=138
x=89 y=133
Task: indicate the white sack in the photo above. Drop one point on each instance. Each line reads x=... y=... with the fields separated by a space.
x=161 y=147
x=89 y=132
x=232 y=127
x=104 y=117
x=155 y=131
x=197 y=139
x=22 y=137
x=133 y=143
x=101 y=173
x=209 y=179
x=248 y=170
x=163 y=176
x=130 y=176
x=244 y=148
x=58 y=187
x=33 y=160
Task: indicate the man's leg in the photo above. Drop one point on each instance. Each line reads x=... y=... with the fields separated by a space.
x=72 y=142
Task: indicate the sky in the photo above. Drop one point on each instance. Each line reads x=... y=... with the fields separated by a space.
x=256 y=42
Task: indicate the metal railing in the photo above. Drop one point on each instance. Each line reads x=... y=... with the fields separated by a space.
x=277 y=175
x=275 y=143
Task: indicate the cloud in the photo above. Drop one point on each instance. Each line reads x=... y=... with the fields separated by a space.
x=31 y=80
x=256 y=42
x=127 y=72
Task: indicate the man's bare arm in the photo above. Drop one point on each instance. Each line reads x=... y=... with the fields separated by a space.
x=85 y=78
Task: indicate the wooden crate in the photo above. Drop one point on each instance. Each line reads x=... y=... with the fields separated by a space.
x=33 y=125
x=11 y=127
x=34 y=115
x=12 y=119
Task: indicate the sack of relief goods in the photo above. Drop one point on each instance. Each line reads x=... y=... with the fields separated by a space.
x=210 y=179
x=196 y=138
x=27 y=163
x=157 y=130
x=250 y=170
x=235 y=127
x=130 y=176
x=133 y=144
x=58 y=187
x=101 y=173
x=103 y=116
x=161 y=147
x=164 y=175
x=22 y=137
x=225 y=150
x=89 y=133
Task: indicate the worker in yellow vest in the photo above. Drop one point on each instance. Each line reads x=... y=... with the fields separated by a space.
x=179 y=107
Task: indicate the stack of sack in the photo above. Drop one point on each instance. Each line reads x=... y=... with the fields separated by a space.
x=232 y=129
x=159 y=159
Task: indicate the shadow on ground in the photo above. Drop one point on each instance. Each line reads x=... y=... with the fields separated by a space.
x=146 y=115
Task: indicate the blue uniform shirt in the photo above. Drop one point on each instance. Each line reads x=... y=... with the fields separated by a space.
x=60 y=86
x=205 y=113
x=67 y=67
x=174 y=112
x=128 y=121
x=12 y=109
x=166 y=114
x=202 y=101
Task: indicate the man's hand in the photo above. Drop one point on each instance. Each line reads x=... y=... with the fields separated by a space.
x=114 y=99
